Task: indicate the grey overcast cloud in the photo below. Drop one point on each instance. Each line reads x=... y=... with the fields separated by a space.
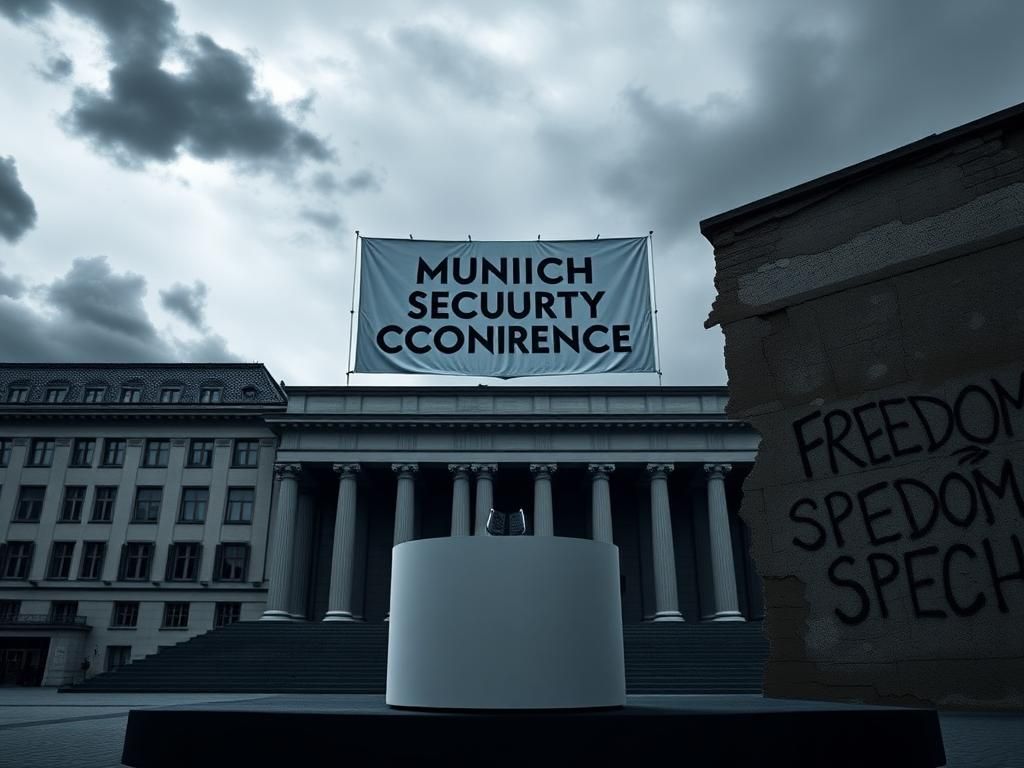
x=182 y=181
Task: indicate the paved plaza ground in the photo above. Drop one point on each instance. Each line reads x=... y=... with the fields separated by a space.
x=40 y=728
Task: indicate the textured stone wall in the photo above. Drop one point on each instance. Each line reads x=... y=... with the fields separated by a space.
x=875 y=338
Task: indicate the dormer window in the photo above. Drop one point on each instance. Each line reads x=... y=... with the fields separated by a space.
x=93 y=394
x=249 y=392
x=210 y=394
x=17 y=394
x=170 y=395
x=131 y=394
x=56 y=394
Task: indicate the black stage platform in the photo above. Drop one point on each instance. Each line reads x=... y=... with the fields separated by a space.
x=674 y=730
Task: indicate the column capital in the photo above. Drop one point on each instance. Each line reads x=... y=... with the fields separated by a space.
x=405 y=469
x=459 y=469
x=543 y=469
x=717 y=471
x=597 y=470
x=287 y=471
x=659 y=470
x=484 y=469
x=346 y=470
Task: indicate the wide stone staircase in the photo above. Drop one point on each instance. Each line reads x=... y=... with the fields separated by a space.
x=334 y=657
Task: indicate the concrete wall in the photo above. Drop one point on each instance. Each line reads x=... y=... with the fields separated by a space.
x=874 y=330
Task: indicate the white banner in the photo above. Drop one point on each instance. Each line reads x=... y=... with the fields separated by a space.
x=504 y=309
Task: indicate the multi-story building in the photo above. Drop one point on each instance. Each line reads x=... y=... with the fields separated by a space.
x=144 y=504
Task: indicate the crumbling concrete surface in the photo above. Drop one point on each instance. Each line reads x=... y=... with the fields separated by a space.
x=874 y=325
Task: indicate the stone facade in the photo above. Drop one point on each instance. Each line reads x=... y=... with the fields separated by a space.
x=337 y=476
x=874 y=338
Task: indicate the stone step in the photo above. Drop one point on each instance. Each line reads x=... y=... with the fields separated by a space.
x=324 y=657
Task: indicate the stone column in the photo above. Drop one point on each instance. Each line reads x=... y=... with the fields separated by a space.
x=666 y=599
x=600 y=502
x=484 y=495
x=460 y=500
x=279 y=592
x=405 y=505
x=543 y=510
x=343 y=551
x=723 y=572
x=301 y=556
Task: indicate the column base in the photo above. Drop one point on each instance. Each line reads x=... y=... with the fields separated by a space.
x=339 y=616
x=276 y=616
x=668 y=616
x=728 y=616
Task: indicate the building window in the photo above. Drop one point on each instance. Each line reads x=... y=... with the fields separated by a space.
x=9 y=611
x=170 y=395
x=131 y=394
x=113 y=451
x=56 y=394
x=92 y=560
x=118 y=656
x=226 y=613
x=175 y=616
x=5 y=451
x=17 y=559
x=125 y=615
x=200 y=453
x=210 y=394
x=183 y=561
x=30 y=503
x=249 y=392
x=103 y=504
x=63 y=611
x=136 y=559
x=74 y=500
x=83 y=451
x=232 y=562
x=17 y=395
x=147 y=504
x=246 y=454
x=93 y=394
x=41 y=452
x=60 y=559
x=240 y=504
x=193 y=505
x=157 y=452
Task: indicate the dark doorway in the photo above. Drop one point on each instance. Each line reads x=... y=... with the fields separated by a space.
x=23 y=660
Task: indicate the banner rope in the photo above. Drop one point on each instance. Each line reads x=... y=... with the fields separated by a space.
x=654 y=299
x=352 y=307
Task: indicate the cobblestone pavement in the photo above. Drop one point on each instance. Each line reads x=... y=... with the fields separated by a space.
x=40 y=728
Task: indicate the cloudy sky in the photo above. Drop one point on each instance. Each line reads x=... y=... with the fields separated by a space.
x=182 y=181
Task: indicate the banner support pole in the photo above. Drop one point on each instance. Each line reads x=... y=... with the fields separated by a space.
x=352 y=309
x=654 y=298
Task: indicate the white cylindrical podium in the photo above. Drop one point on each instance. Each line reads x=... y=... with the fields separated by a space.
x=505 y=622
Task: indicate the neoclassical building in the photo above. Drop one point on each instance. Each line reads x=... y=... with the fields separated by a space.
x=141 y=505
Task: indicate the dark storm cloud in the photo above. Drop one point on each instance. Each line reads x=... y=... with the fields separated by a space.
x=328 y=220
x=893 y=73
x=360 y=181
x=20 y=11
x=187 y=302
x=448 y=60
x=212 y=110
x=11 y=287
x=89 y=314
x=17 y=211
x=57 y=68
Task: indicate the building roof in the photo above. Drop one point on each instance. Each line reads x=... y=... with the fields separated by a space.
x=240 y=384
x=815 y=188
